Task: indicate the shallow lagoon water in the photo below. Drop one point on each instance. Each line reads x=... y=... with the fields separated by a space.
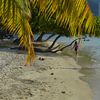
x=92 y=71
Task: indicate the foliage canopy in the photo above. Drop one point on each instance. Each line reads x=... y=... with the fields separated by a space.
x=15 y=15
x=97 y=26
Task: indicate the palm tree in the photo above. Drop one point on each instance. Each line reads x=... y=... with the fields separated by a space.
x=97 y=26
x=75 y=15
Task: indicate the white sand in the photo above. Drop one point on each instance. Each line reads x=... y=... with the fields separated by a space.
x=55 y=78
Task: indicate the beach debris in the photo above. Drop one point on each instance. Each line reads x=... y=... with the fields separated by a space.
x=63 y=92
x=30 y=93
x=42 y=59
x=42 y=69
x=52 y=74
x=20 y=67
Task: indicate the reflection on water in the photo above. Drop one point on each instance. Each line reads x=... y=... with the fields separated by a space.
x=87 y=67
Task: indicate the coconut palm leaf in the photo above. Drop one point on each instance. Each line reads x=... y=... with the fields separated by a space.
x=15 y=16
x=68 y=13
x=74 y=15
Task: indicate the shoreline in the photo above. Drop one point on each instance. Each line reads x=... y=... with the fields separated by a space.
x=54 y=78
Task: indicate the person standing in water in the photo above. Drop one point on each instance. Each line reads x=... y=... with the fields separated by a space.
x=75 y=47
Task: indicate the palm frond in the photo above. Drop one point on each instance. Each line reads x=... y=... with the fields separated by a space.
x=15 y=16
x=68 y=13
x=75 y=15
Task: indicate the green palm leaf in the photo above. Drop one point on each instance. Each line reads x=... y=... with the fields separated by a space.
x=71 y=14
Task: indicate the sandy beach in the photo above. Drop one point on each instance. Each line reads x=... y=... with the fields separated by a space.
x=54 y=78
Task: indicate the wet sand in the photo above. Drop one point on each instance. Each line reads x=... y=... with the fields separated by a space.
x=91 y=70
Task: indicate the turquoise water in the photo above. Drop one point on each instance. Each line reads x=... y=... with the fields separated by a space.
x=92 y=75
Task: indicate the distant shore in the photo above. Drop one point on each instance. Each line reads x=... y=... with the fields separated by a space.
x=54 y=78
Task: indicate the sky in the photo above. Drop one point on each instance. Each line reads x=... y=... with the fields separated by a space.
x=97 y=1
x=95 y=6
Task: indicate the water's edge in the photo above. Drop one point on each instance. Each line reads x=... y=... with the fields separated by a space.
x=89 y=68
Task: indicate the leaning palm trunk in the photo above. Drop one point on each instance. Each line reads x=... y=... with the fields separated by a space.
x=15 y=16
x=72 y=14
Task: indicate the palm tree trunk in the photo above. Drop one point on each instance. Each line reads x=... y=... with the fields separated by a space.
x=67 y=45
x=39 y=39
x=54 y=41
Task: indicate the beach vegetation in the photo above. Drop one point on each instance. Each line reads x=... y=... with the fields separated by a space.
x=74 y=16
x=97 y=26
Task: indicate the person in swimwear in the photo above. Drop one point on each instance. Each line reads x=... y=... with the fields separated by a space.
x=76 y=47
